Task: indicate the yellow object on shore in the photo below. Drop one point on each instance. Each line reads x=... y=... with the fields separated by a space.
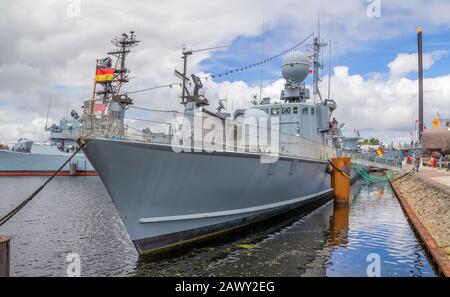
x=246 y=245
x=436 y=123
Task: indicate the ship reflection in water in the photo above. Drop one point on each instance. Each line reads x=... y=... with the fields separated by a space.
x=76 y=215
x=334 y=240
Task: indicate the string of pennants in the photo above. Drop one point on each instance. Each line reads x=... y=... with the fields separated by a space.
x=243 y=68
x=236 y=69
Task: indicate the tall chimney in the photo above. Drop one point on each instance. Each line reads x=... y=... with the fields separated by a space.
x=420 y=55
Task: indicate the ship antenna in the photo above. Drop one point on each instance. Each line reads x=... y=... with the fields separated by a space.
x=262 y=64
x=318 y=23
x=67 y=109
x=316 y=63
x=329 y=71
x=185 y=54
x=123 y=45
x=48 y=111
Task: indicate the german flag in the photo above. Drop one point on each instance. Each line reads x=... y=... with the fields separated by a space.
x=380 y=152
x=103 y=74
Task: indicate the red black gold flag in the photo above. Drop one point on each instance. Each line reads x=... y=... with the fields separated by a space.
x=104 y=74
x=380 y=152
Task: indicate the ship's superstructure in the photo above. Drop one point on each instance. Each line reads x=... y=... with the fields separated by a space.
x=212 y=171
x=31 y=159
x=64 y=136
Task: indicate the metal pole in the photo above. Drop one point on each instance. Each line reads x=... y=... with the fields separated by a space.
x=122 y=59
x=94 y=89
x=420 y=55
x=183 y=92
x=262 y=67
x=329 y=71
x=4 y=255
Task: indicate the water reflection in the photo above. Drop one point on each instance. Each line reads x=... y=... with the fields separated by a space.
x=376 y=224
x=339 y=224
x=333 y=240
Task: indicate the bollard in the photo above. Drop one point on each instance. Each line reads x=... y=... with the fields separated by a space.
x=4 y=255
x=72 y=169
x=341 y=180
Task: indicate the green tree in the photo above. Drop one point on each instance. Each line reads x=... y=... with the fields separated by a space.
x=370 y=141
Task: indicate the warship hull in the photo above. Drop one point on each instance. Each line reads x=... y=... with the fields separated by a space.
x=42 y=161
x=166 y=198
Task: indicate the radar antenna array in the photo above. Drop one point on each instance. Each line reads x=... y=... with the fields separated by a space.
x=123 y=45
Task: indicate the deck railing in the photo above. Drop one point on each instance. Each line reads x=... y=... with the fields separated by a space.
x=372 y=159
x=102 y=126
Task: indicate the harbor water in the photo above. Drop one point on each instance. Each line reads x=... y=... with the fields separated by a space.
x=76 y=215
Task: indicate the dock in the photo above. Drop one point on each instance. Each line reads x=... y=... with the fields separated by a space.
x=425 y=198
x=439 y=178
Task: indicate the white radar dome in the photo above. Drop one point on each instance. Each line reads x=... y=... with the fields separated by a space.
x=295 y=66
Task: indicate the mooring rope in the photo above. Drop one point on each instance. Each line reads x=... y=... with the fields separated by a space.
x=339 y=170
x=8 y=216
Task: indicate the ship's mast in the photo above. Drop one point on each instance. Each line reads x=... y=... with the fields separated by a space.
x=317 y=45
x=123 y=45
x=107 y=104
x=185 y=96
x=184 y=78
x=111 y=88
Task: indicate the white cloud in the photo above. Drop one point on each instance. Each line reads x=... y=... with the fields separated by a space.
x=379 y=107
x=239 y=94
x=407 y=63
x=11 y=130
x=384 y=107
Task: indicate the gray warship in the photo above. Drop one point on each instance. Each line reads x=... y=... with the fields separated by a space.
x=211 y=172
x=29 y=159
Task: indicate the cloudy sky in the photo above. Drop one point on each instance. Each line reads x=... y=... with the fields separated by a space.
x=49 y=47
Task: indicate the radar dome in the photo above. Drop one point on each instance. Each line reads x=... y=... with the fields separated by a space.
x=295 y=66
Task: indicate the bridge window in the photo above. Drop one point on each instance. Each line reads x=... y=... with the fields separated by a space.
x=305 y=110
x=275 y=111
x=286 y=110
x=295 y=109
x=312 y=110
